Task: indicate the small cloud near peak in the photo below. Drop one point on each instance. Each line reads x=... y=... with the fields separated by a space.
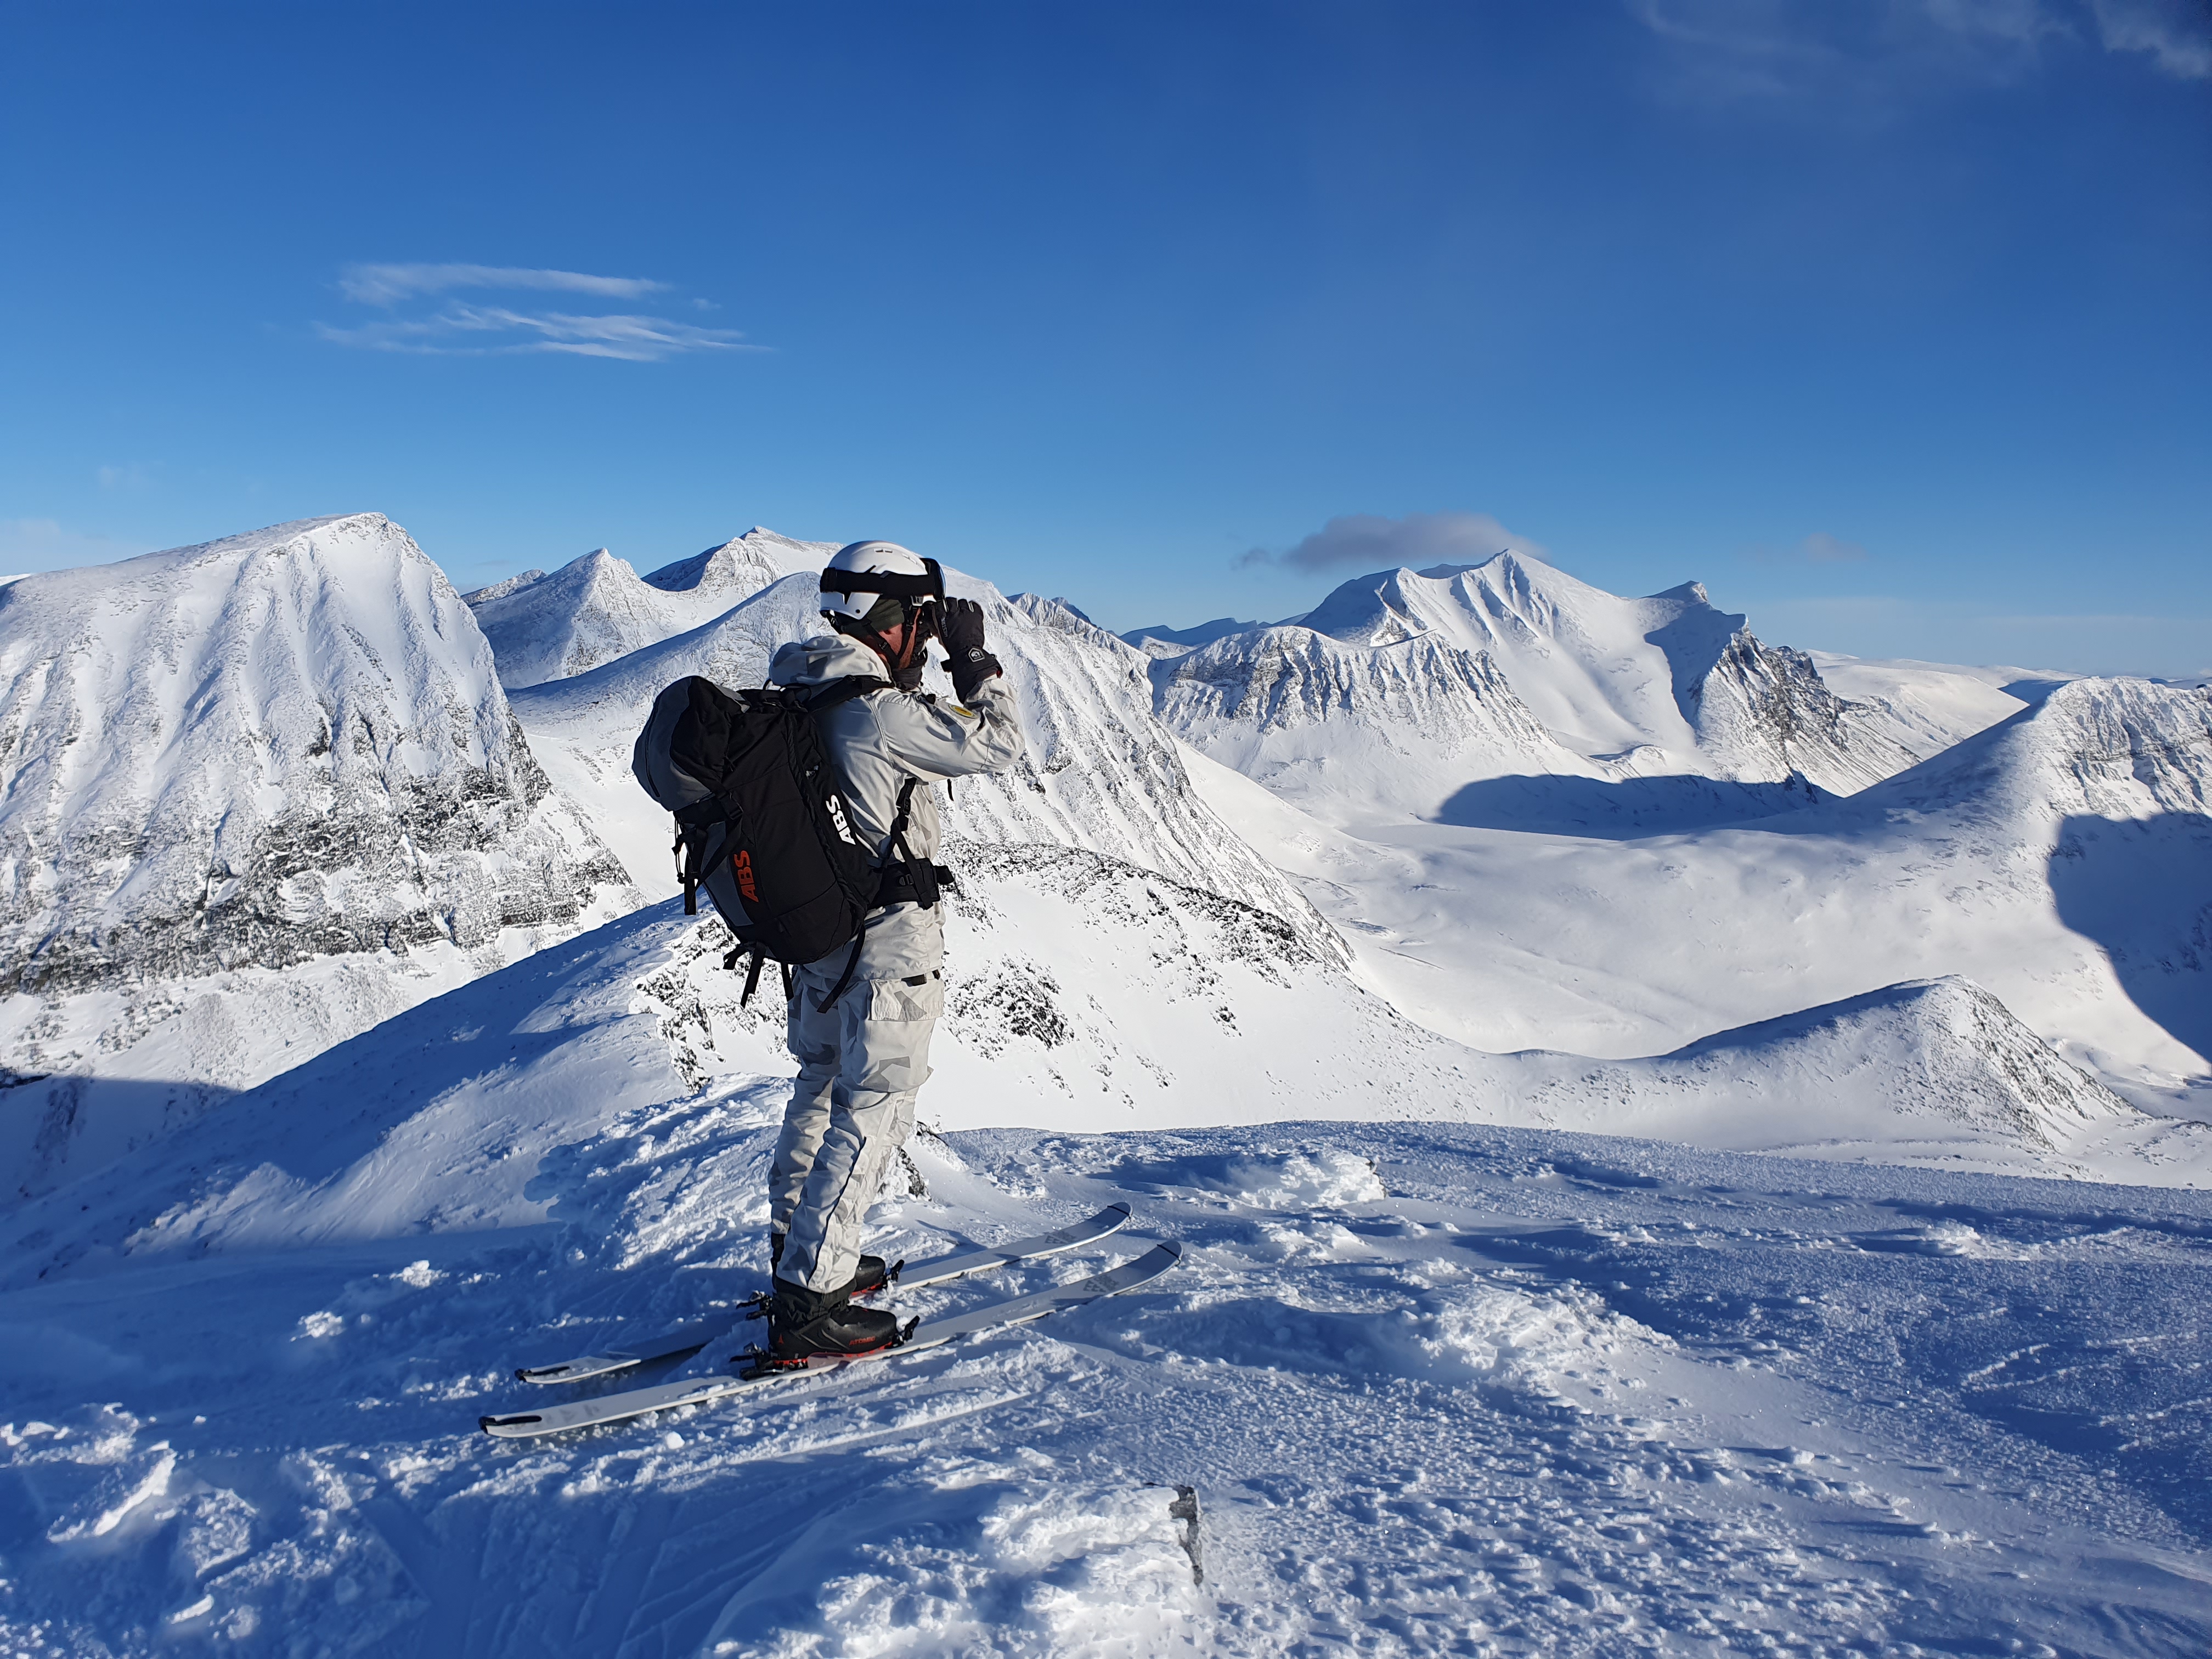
x=1371 y=542
x=1819 y=548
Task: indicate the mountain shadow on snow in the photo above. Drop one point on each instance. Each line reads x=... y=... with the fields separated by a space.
x=1626 y=808
x=2101 y=870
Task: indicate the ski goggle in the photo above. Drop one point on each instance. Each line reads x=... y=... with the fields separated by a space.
x=929 y=585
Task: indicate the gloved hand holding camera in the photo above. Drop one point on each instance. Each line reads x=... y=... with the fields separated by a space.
x=962 y=631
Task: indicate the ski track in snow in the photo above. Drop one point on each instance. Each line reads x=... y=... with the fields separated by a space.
x=1440 y=1390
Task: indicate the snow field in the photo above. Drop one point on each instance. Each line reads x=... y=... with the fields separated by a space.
x=1551 y=1392
x=2059 y=860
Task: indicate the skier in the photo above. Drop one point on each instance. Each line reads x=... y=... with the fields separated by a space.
x=860 y=1018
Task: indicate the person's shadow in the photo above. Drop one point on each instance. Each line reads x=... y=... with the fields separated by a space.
x=2142 y=889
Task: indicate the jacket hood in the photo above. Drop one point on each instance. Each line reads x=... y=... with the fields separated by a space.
x=822 y=658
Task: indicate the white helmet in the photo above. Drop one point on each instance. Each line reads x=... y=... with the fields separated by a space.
x=861 y=573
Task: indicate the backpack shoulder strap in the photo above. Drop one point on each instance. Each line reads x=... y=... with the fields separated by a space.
x=831 y=693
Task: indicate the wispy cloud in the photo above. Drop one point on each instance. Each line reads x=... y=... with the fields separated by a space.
x=1872 y=56
x=2177 y=33
x=459 y=328
x=386 y=285
x=484 y=331
x=131 y=477
x=1371 y=542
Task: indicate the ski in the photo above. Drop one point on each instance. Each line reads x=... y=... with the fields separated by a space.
x=1015 y=1310
x=919 y=1275
x=912 y=1277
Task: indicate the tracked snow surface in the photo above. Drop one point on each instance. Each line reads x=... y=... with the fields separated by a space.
x=1435 y=1387
x=1442 y=1369
x=255 y=796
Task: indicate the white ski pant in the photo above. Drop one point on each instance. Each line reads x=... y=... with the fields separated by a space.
x=860 y=1064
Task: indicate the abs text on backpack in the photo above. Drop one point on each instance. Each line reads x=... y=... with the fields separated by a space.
x=760 y=822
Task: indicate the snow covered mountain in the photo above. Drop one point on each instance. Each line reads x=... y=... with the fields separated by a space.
x=1101 y=774
x=1609 y=675
x=1355 y=730
x=1510 y=668
x=596 y=609
x=2062 y=859
x=259 y=791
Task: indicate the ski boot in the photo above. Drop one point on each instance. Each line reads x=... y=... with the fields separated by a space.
x=804 y=1325
x=870 y=1277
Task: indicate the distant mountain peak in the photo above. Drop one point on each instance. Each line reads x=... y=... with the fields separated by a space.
x=1165 y=641
x=500 y=590
x=743 y=565
x=1668 y=678
x=597 y=608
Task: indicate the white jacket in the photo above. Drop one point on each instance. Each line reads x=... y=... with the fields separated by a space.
x=879 y=741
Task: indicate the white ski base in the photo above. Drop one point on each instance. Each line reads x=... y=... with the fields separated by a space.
x=689 y=1338
x=1019 y=1310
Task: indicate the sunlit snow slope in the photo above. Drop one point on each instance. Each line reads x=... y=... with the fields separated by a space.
x=2062 y=859
x=1926 y=706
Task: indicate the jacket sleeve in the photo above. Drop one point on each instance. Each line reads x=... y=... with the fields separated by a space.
x=940 y=739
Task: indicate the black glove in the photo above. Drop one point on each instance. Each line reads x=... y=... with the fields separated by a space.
x=966 y=660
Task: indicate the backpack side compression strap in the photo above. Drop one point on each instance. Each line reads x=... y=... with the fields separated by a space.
x=695 y=822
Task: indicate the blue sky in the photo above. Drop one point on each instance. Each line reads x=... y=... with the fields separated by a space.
x=1889 y=320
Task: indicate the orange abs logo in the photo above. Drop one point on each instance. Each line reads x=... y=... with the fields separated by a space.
x=742 y=867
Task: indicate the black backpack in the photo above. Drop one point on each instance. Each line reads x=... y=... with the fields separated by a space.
x=762 y=824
